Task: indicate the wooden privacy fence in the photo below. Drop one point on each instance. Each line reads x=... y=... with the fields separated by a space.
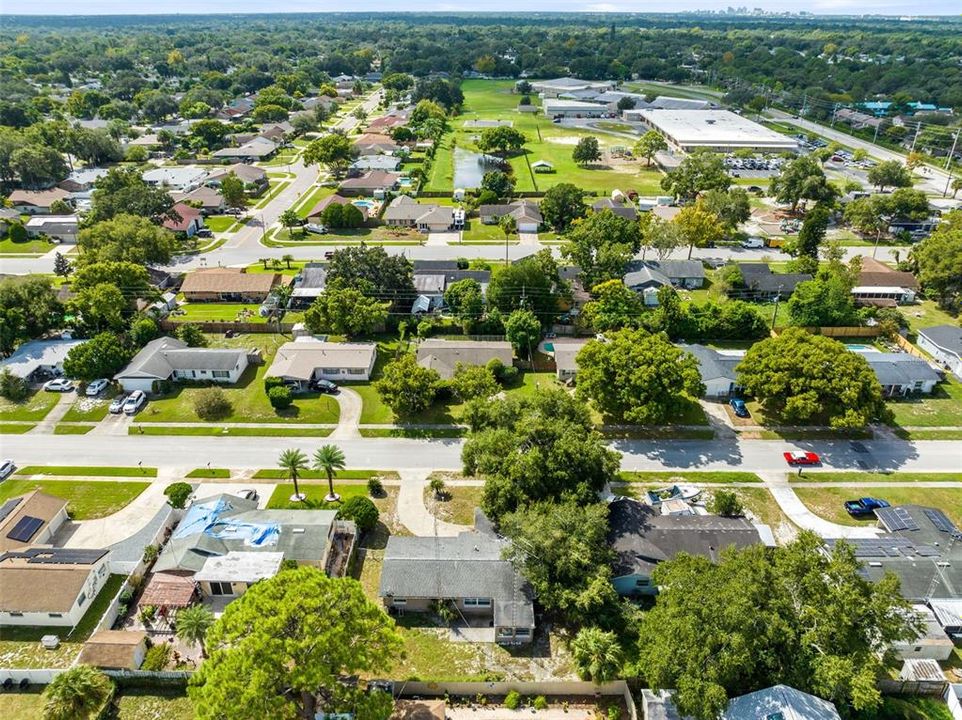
x=850 y=331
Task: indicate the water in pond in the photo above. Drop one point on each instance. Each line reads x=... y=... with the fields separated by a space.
x=469 y=169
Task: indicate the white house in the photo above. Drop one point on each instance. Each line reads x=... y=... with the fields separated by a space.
x=69 y=578
x=30 y=519
x=944 y=343
x=39 y=359
x=170 y=359
x=307 y=358
x=62 y=228
x=182 y=178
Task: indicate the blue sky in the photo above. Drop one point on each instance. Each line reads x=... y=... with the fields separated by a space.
x=125 y=7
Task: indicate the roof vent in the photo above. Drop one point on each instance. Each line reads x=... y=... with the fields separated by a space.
x=297 y=531
x=875 y=563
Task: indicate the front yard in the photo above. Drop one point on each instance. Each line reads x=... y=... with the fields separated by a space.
x=829 y=502
x=943 y=408
x=86 y=499
x=35 y=407
x=249 y=403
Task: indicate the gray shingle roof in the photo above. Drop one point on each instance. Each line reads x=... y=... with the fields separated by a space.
x=947 y=337
x=645 y=276
x=713 y=364
x=444 y=355
x=161 y=357
x=900 y=368
x=760 y=278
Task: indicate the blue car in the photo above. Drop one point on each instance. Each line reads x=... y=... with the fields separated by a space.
x=739 y=408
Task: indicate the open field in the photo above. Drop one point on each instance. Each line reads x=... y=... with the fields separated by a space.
x=927 y=313
x=248 y=400
x=494 y=100
x=828 y=502
x=86 y=500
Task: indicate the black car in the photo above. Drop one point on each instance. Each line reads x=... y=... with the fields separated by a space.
x=324 y=386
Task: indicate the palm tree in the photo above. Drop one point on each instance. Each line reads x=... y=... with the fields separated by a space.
x=329 y=458
x=597 y=654
x=288 y=258
x=192 y=625
x=294 y=462
x=79 y=693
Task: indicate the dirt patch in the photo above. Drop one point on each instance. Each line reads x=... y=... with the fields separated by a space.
x=563 y=140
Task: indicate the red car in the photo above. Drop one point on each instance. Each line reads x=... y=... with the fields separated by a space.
x=800 y=457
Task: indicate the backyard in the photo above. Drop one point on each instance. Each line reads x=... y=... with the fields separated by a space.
x=249 y=403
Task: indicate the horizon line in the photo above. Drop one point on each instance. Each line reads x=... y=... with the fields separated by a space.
x=226 y=13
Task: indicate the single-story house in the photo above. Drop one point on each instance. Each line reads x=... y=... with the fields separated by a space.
x=948 y=614
x=82 y=179
x=62 y=228
x=315 y=214
x=763 y=284
x=641 y=537
x=646 y=281
x=467 y=571
x=231 y=531
x=629 y=212
x=917 y=546
x=167 y=358
x=308 y=284
x=37 y=202
x=432 y=278
x=37 y=360
x=190 y=221
x=388 y=163
x=30 y=519
x=419 y=710
x=387 y=122
x=405 y=211
x=780 y=701
x=307 y=358
x=525 y=212
x=230 y=285
x=206 y=199
x=277 y=131
x=565 y=352
x=688 y=274
x=260 y=148
x=255 y=178
x=182 y=178
x=934 y=644
x=944 y=344
x=375 y=182
x=375 y=144
x=445 y=355
x=69 y=578
x=115 y=649
x=717 y=368
x=233 y=573
x=542 y=166
x=878 y=282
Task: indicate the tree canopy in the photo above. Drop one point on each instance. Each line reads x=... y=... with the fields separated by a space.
x=125 y=238
x=939 y=258
x=561 y=205
x=700 y=171
x=345 y=311
x=602 y=244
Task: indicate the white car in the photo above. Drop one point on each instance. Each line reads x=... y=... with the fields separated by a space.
x=134 y=402
x=58 y=385
x=6 y=467
x=315 y=228
x=97 y=386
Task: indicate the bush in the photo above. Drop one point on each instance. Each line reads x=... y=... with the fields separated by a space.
x=726 y=504
x=361 y=510
x=375 y=488
x=13 y=388
x=540 y=703
x=437 y=486
x=280 y=397
x=512 y=700
x=157 y=657
x=212 y=404
x=614 y=713
x=178 y=493
x=150 y=553
x=272 y=382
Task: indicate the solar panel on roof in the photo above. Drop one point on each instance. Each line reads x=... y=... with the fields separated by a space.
x=8 y=507
x=896 y=519
x=938 y=518
x=25 y=529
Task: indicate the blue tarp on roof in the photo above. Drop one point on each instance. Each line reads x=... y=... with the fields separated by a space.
x=206 y=518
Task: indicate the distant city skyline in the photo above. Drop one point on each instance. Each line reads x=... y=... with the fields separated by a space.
x=191 y=7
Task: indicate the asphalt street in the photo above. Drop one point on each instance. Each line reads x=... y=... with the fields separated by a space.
x=180 y=452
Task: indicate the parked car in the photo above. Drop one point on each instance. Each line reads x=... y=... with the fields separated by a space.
x=329 y=254
x=134 y=402
x=117 y=404
x=324 y=386
x=754 y=242
x=205 y=233
x=6 y=468
x=739 y=408
x=58 y=385
x=96 y=387
x=315 y=228
x=801 y=457
x=249 y=494
x=864 y=507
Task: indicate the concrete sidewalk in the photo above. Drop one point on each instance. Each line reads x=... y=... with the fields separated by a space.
x=799 y=513
x=412 y=512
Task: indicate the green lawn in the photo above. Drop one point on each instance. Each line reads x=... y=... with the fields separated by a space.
x=27 y=247
x=348 y=474
x=212 y=430
x=15 y=428
x=158 y=704
x=219 y=473
x=942 y=408
x=247 y=397
x=87 y=471
x=493 y=100
x=927 y=313
x=829 y=502
x=35 y=407
x=219 y=223
x=474 y=229
x=219 y=312
x=94 y=409
x=307 y=201
x=457 y=505
x=315 y=492
x=66 y=429
x=912 y=708
x=697 y=477
x=86 y=500
x=413 y=433
x=873 y=477
x=379 y=234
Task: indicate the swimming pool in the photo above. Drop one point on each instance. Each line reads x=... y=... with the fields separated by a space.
x=364 y=204
x=861 y=348
x=549 y=347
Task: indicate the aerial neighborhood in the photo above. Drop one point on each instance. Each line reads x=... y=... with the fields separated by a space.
x=422 y=366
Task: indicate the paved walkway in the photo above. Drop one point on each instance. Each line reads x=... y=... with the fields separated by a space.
x=799 y=513
x=64 y=403
x=412 y=512
x=350 y=416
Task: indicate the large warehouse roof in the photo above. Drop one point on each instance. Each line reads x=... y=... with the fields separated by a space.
x=721 y=129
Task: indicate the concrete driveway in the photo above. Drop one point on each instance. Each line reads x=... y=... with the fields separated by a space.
x=443 y=238
x=350 y=414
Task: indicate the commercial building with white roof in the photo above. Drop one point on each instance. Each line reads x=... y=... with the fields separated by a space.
x=719 y=130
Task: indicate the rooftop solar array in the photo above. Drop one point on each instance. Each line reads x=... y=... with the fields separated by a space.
x=939 y=520
x=65 y=556
x=25 y=529
x=890 y=548
x=8 y=507
x=896 y=519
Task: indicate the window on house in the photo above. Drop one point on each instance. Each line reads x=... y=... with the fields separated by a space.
x=16 y=614
x=82 y=599
x=505 y=632
x=55 y=615
x=477 y=602
x=221 y=374
x=522 y=632
x=221 y=588
x=355 y=371
x=331 y=371
x=399 y=601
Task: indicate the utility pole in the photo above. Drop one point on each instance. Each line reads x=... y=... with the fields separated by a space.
x=804 y=111
x=834 y=113
x=948 y=164
x=777 y=298
x=918 y=127
x=877 y=126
